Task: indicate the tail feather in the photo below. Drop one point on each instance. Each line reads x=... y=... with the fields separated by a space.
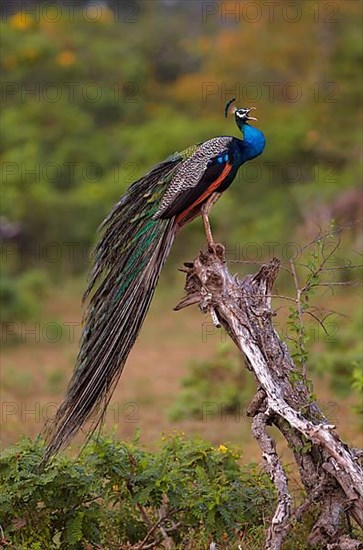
x=127 y=264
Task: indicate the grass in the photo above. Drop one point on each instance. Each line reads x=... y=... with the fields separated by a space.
x=35 y=373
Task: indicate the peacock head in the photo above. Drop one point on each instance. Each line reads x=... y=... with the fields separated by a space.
x=241 y=116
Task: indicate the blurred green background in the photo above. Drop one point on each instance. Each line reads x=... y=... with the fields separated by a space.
x=96 y=93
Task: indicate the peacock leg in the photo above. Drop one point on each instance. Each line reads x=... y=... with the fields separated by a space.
x=205 y=210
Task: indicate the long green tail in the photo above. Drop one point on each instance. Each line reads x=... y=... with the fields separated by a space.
x=127 y=264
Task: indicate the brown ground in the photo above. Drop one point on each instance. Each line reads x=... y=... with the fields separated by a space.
x=34 y=375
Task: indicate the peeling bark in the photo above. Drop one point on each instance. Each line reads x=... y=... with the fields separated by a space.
x=329 y=469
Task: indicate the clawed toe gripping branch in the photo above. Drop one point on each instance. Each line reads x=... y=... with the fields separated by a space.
x=329 y=470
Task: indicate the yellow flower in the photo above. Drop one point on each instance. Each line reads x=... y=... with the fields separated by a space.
x=9 y=61
x=20 y=21
x=312 y=137
x=30 y=53
x=222 y=449
x=66 y=58
x=106 y=15
x=115 y=488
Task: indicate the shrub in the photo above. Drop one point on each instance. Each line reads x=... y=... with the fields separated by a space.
x=221 y=380
x=114 y=492
x=21 y=294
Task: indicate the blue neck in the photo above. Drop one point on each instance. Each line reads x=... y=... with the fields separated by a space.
x=253 y=142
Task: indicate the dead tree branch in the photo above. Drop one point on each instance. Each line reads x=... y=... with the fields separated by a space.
x=243 y=308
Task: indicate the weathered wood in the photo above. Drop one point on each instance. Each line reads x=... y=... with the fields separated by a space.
x=280 y=521
x=329 y=469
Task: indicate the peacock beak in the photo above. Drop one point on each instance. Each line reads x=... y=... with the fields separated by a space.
x=248 y=114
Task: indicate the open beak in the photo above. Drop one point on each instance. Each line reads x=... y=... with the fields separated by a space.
x=248 y=114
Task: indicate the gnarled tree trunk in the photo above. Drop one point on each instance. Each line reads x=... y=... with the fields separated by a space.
x=329 y=469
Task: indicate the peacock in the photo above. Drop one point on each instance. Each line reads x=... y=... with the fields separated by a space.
x=136 y=238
